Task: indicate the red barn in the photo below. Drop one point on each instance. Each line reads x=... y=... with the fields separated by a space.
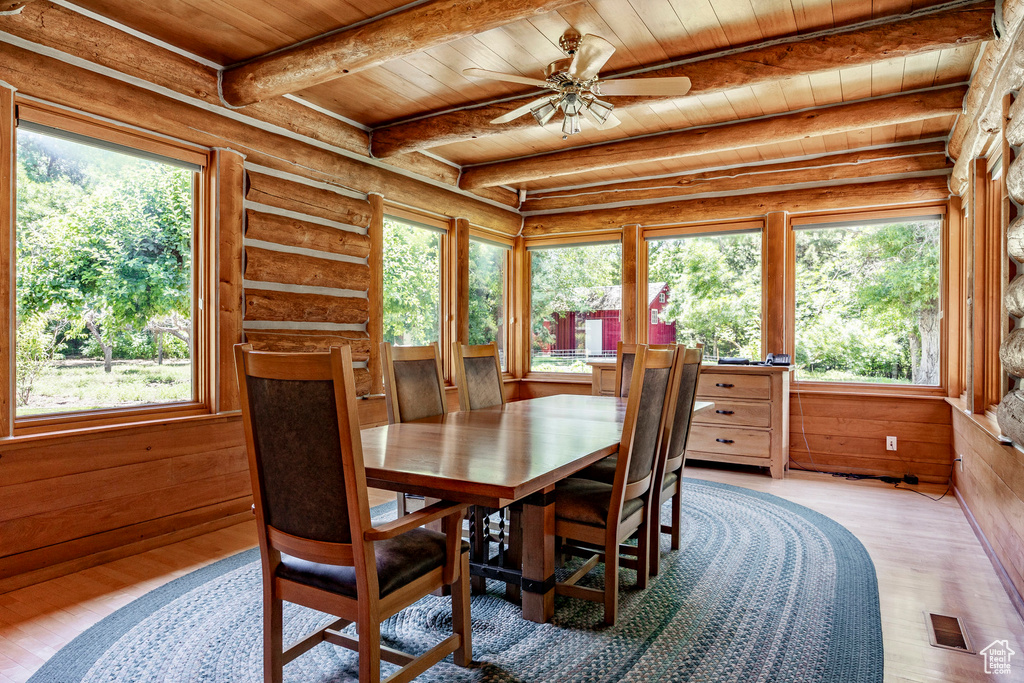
x=597 y=331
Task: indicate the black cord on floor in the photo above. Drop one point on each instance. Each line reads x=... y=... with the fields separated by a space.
x=948 y=487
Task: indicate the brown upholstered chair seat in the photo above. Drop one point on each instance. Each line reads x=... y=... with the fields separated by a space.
x=400 y=560
x=602 y=470
x=670 y=479
x=586 y=502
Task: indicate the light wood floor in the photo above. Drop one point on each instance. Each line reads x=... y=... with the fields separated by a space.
x=926 y=556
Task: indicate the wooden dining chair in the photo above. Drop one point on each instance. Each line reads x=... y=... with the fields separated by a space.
x=478 y=376
x=673 y=455
x=318 y=546
x=413 y=389
x=595 y=517
x=624 y=359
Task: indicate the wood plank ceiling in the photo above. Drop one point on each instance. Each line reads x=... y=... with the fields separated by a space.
x=645 y=33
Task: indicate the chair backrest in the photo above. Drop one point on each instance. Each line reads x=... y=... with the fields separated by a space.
x=625 y=355
x=478 y=374
x=305 y=454
x=677 y=430
x=651 y=398
x=413 y=386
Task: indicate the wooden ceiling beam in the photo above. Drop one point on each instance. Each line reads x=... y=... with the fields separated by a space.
x=849 y=196
x=840 y=118
x=826 y=51
x=391 y=37
x=928 y=157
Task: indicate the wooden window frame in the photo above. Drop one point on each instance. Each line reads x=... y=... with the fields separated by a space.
x=204 y=272
x=483 y=235
x=447 y=307
x=696 y=230
x=866 y=388
x=525 y=295
x=990 y=320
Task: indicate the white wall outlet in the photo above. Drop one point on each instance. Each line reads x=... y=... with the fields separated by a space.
x=890 y=443
x=961 y=459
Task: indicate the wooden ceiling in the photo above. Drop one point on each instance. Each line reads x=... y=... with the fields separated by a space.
x=646 y=33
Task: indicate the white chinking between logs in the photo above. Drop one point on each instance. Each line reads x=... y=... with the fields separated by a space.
x=1010 y=413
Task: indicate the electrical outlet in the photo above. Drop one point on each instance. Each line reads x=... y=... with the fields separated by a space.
x=961 y=458
x=890 y=443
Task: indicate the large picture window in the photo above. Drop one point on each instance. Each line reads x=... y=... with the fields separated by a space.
x=488 y=263
x=868 y=305
x=706 y=289
x=576 y=306
x=412 y=282
x=105 y=275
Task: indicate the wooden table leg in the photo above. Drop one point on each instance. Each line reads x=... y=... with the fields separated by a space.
x=539 y=556
x=514 y=556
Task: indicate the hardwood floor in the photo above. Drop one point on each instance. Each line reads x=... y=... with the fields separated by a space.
x=926 y=556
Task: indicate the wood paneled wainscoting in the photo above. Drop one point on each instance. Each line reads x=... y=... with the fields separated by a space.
x=75 y=500
x=989 y=484
x=839 y=432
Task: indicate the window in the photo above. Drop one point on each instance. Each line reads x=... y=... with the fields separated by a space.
x=412 y=282
x=576 y=305
x=706 y=289
x=488 y=265
x=106 y=301
x=867 y=301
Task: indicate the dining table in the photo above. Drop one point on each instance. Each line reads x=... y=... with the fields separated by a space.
x=495 y=457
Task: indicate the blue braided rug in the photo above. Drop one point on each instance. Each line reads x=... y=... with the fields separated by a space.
x=763 y=590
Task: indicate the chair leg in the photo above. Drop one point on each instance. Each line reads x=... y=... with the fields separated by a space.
x=611 y=584
x=369 y=651
x=401 y=505
x=677 y=517
x=643 y=554
x=460 y=615
x=273 y=637
x=654 y=537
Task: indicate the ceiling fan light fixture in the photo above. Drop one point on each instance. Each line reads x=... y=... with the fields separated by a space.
x=543 y=112
x=572 y=104
x=570 y=124
x=600 y=109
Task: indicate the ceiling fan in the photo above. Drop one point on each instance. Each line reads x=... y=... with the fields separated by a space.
x=578 y=88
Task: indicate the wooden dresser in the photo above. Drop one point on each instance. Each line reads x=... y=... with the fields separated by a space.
x=750 y=422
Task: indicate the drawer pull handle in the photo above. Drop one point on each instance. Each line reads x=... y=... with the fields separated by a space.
x=724 y=440
x=724 y=412
x=724 y=386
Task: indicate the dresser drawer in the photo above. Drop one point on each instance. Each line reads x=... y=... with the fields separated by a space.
x=729 y=440
x=736 y=412
x=721 y=385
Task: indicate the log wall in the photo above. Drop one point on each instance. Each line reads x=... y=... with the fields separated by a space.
x=306 y=275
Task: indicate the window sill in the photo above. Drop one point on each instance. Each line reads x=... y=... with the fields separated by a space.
x=866 y=389
x=987 y=422
x=141 y=423
x=557 y=377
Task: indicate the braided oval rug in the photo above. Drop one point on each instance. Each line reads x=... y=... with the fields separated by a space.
x=762 y=590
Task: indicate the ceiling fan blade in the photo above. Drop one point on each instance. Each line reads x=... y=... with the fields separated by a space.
x=509 y=78
x=516 y=113
x=666 y=87
x=592 y=54
x=609 y=122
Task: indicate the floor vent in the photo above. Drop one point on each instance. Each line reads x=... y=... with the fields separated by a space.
x=948 y=632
